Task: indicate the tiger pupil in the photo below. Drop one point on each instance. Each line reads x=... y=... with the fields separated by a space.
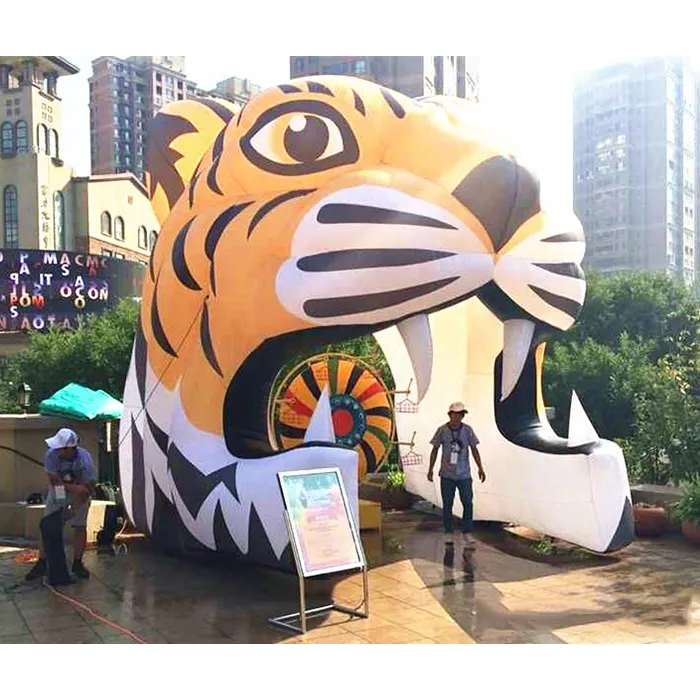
x=307 y=141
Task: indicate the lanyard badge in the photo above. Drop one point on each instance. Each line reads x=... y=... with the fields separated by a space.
x=455 y=448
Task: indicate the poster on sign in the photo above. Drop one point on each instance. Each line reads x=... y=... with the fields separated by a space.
x=324 y=533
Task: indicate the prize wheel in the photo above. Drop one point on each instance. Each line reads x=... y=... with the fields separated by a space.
x=361 y=407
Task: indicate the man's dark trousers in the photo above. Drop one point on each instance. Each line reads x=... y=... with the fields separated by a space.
x=466 y=495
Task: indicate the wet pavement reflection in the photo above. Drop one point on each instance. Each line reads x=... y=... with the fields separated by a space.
x=422 y=591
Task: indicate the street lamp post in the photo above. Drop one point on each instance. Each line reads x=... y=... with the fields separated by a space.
x=24 y=396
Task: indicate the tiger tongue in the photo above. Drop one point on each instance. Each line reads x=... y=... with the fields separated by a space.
x=417 y=337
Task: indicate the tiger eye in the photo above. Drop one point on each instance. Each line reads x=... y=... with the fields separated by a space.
x=306 y=138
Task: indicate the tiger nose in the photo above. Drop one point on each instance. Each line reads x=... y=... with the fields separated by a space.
x=502 y=194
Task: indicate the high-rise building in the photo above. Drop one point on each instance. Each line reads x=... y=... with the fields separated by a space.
x=414 y=76
x=124 y=95
x=635 y=137
x=43 y=206
x=237 y=90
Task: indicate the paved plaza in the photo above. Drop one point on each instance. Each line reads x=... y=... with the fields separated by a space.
x=421 y=592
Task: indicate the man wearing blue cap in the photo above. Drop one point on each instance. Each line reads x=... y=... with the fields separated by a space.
x=71 y=480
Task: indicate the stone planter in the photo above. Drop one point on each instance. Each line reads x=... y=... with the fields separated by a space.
x=691 y=530
x=396 y=499
x=650 y=522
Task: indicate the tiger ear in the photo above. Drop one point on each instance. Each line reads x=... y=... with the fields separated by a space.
x=179 y=136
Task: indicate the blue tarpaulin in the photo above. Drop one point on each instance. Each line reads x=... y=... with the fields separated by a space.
x=75 y=401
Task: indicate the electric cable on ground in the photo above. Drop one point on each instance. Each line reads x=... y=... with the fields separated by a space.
x=22 y=558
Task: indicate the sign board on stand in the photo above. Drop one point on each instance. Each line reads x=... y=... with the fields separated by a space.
x=323 y=534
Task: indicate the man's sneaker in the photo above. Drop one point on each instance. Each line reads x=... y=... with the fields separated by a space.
x=448 y=538
x=468 y=540
x=79 y=570
x=37 y=571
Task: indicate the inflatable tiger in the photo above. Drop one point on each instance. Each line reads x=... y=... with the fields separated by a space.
x=325 y=209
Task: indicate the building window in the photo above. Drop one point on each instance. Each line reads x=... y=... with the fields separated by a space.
x=59 y=221
x=143 y=237
x=107 y=252
x=7 y=138
x=42 y=138
x=152 y=240
x=11 y=217
x=106 y=224
x=53 y=143
x=22 y=136
x=119 y=228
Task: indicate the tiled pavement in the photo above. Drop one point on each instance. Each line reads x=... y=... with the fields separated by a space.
x=421 y=592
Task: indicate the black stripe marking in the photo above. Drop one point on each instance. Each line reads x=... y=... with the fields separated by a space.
x=151 y=264
x=344 y=306
x=212 y=278
x=182 y=270
x=217 y=228
x=211 y=177
x=288 y=89
x=157 y=326
x=311 y=384
x=193 y=184
x=265 y=209
x=340 y=213
x=221 y=111
x=566 y=269
x=396 y=108
x=240 y=115
x=568 y=306
x=290 y=431
x=367 y=258
x=193 y=486
x=369 y=456
x=160 y=436
x=138 y=480
x=140 y=362
x=222 y=535
x=218 y=145
x=355 y=374
x=207 y=345
x=564 y=238
x=319 y=88
x=383 y=411
x=359 y=104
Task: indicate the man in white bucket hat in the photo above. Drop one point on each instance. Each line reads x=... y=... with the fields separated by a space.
x=456 y=439
x=71 y=480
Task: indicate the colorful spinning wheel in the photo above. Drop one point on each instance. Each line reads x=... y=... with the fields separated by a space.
x=361 y=405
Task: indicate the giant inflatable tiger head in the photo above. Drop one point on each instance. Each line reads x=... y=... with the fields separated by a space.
x=325 y=209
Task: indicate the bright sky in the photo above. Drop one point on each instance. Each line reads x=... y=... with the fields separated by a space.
x=527 y=63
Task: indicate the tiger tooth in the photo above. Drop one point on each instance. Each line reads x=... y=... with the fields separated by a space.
x=418 y=340
x=320 y=428
x=581 y=430
x=517 y=340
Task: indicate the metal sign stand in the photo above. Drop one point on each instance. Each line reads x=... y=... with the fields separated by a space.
x=285 y=621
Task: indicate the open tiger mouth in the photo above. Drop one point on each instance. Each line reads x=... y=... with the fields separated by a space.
x=517 y=382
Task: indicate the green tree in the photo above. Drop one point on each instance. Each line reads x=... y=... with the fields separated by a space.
x=96 y=355
x=645 y=306
x=634 y=359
